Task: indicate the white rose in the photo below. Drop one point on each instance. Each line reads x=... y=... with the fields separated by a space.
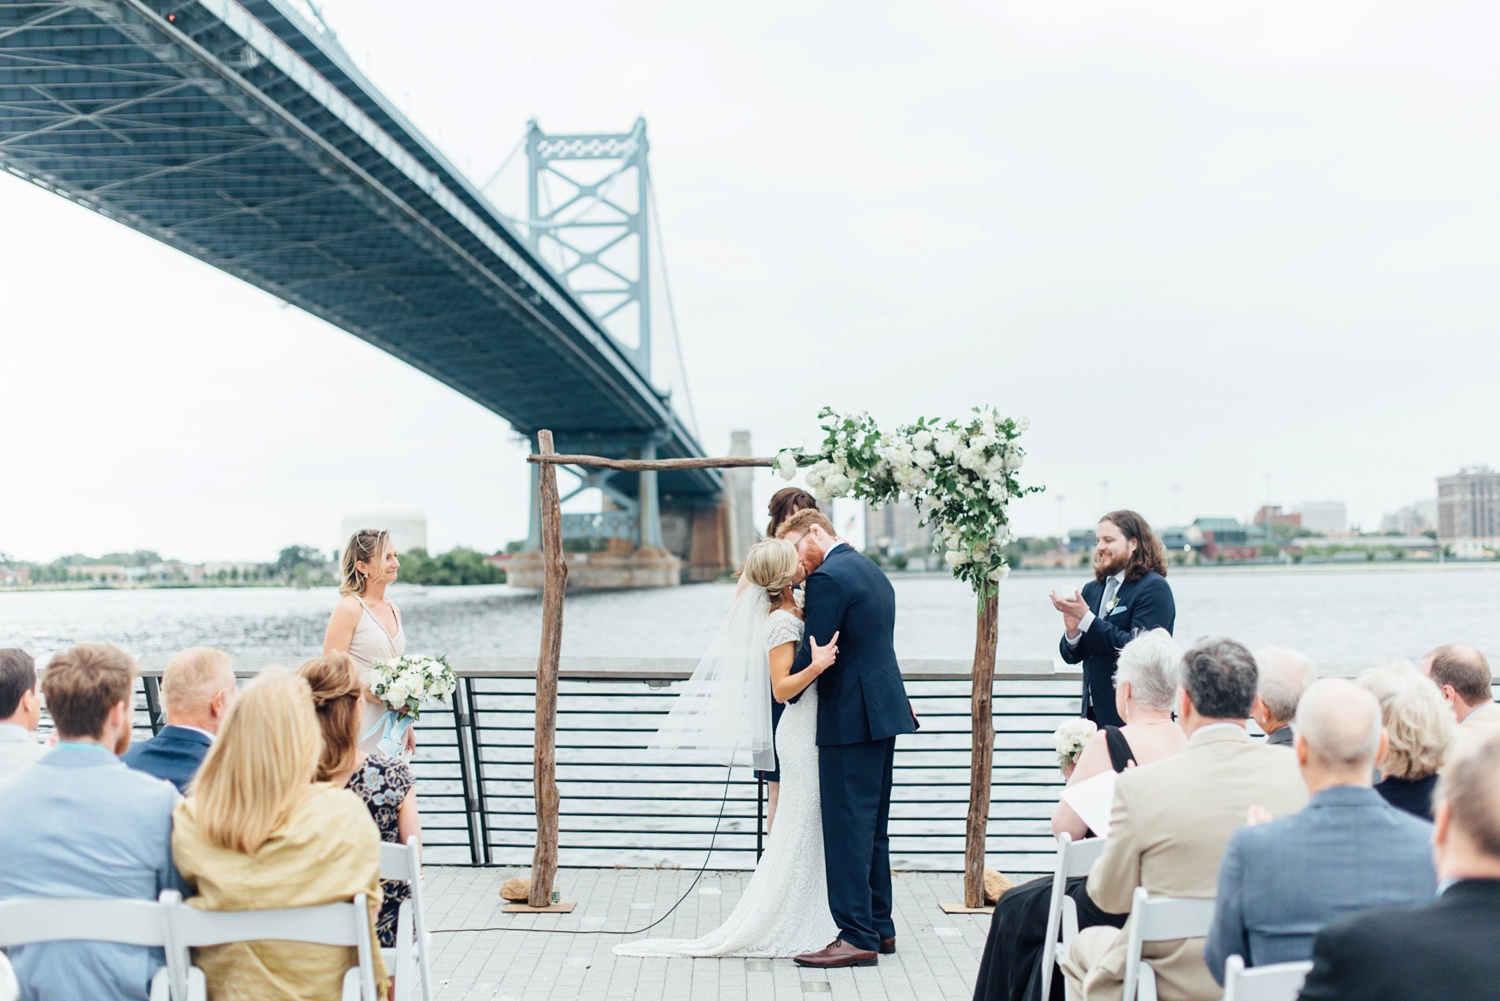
x=1023 y=424
x=944 y=442
x=396 y=695
x=837 y=485
x=786 y=464
x=921 y=440
x=923 y=459
x=972 y=458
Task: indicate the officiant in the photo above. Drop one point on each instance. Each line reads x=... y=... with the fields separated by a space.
x=1129 y=595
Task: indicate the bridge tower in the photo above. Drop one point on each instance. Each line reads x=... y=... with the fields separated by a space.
x=588 y=218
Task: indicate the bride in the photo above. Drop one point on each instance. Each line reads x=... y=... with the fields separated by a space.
x=723 y=716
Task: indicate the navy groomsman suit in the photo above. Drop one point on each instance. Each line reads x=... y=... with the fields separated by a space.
x=1139 y=605
x=862 y=706
x=173 y=754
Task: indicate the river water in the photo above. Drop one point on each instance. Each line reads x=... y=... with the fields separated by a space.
x=1352 y=616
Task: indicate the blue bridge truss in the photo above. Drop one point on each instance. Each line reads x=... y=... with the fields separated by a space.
x=240 y=133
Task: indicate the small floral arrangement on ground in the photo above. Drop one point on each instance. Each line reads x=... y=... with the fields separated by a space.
x=405 y=683
x=960 y=474
x=1070 y=739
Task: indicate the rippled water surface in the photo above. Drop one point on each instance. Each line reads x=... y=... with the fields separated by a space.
x=1340 y=616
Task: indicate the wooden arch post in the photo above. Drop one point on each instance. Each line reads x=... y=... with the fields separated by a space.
x=554 y=588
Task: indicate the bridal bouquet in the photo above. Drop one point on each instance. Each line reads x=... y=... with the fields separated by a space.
x=1070 y=740
x=403 y=685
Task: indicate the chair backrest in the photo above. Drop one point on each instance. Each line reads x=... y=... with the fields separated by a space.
x=127 y=922
x=341 y=924
x=398 y=861
x=1074 y=858
x=1160 y=919
x=9 y=989
x=1277 y=982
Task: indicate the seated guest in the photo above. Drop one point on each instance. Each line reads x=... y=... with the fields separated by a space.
x=1284 y=676
x=79 y=823
x=1145 y=681
x=1449 y=948
x=1420 y=735
x=20 y=712
x=1171 y=820
x=259 y=833
x=196 y=690
x=382 y=783
x=1463 y=676
x=1346 y=851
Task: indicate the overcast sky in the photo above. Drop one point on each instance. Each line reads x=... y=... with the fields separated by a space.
x=1196 y=244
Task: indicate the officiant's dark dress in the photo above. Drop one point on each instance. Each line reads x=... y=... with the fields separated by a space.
x=1010 y=969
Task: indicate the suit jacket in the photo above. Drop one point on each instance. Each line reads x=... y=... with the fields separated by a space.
x=1283 y=737
x=1448 y=949
x=1139 y=605
x=173 y=754
x=861 y=697
x=79 y=823
x=1347 y=851
x=17 y=749
x=1168 y=827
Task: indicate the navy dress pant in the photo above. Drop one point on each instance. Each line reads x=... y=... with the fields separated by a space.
x=856 y=794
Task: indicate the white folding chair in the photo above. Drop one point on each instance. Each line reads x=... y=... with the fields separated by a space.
x=9 y=989
x=330 y=924
x=1074 y=858
x=1277 y=982
x=1159 y=919
x=411 y=954
x=101 y=919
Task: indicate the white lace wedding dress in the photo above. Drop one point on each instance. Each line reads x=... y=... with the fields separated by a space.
x=784 y=910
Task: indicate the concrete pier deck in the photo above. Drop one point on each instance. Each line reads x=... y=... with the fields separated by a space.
x=937 y=954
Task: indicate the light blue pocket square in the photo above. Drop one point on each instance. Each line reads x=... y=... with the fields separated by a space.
x=1117 y=608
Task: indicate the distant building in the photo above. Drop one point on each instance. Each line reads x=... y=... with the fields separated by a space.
x=407 y=525
x=896 y=528
x=1325 y=517
x=1081 y=540
x=1468 y=510
x=1414 y=519
x=15 y=575
x=1273 y=514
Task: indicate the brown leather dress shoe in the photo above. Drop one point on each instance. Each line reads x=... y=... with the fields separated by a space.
x=838 y=953
x=888 y=946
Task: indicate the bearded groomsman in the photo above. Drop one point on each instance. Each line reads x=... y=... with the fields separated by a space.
x=1128 y=595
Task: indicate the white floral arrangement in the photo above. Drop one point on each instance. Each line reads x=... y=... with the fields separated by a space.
x=1071 y=738
x=960 y=475
x=407 y=682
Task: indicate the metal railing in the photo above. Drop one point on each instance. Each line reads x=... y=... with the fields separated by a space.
x=624 y=806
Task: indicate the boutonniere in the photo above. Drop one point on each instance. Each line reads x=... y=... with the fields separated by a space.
x=1111 y=606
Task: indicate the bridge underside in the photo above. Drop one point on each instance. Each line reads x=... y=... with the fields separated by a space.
x=254 y=146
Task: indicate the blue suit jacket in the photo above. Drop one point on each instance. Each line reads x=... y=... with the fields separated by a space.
x=861 y=697
x=1140 y=605
x=173 y=754
x=78 y=823
x=1347 y=851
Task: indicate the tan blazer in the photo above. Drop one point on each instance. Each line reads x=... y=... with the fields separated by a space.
x=1170 y=822
x=1477 y=728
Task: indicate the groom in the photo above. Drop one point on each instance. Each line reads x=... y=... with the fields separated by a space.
x=862 y=706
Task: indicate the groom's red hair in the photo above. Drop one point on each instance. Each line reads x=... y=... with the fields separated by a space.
x=803 y=520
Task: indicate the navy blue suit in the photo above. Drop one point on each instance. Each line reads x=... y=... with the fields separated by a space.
x=862 y=707
x=1140 y=605
x=173 y=754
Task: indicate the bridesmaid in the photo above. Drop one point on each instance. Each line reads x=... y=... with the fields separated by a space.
x=784 y=503
x=366 y=625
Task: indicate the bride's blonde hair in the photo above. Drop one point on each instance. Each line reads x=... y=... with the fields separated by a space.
x=771 y=563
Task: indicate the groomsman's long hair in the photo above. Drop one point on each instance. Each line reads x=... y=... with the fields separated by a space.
x=1150 y=554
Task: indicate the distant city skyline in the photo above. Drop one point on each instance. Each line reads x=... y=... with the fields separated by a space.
x=1194 y=244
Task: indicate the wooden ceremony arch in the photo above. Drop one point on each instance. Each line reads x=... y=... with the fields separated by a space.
x=554 y=588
